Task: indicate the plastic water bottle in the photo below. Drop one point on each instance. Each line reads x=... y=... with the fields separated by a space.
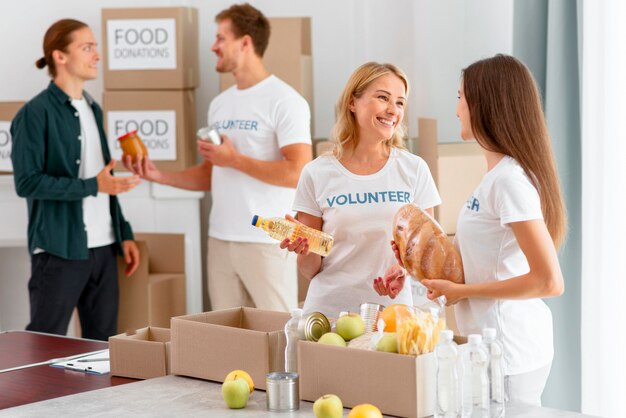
x=475 y=388
x=279 y=228
x=291 y=335
x=495 y=372
x=447 y=389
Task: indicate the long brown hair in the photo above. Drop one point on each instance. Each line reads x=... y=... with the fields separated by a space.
x=345 y=131
x=248 y=20
x=507 y=117
x=57 y=37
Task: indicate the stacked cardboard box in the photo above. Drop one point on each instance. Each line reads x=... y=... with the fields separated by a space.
x=7 y=113
x=156 y=291
x=288 y=56
x=150 y=73
x=456 y=167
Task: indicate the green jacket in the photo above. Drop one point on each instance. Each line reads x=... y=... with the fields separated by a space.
x=46 y=158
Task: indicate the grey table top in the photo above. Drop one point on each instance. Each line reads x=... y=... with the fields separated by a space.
x=181 y=396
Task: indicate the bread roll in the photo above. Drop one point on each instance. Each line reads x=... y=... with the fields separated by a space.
x=425 y=250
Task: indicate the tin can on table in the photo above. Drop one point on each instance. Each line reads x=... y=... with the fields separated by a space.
x=370 y=312
x=282 y=393
x=312 y=326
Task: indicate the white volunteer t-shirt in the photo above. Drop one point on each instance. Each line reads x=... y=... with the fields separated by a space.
x=358 y=211
x=96 y=211
x=259 y=120
x=490 y=252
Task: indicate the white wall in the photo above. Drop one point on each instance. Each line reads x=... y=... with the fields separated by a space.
x=431 y=40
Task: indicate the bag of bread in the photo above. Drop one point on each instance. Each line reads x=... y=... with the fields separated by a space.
x=424 y=248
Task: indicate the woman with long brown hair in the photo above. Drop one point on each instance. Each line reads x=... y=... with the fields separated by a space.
x=509 y=231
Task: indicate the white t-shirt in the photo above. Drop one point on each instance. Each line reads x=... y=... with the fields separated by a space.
x=259 y=120
x=96 y=210
x=490 y=252
x=358 y=211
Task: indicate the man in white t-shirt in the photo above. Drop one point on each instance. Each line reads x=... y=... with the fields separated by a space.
x=266 y=140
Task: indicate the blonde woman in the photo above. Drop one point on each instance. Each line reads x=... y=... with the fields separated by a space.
x=509 y=230
x=354 y=192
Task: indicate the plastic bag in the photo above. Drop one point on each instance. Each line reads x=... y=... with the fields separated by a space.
x=425 y=250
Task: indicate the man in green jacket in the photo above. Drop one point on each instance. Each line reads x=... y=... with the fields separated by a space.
x=62 y=166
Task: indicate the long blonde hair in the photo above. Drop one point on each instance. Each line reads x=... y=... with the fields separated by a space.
x=507 y=117
x=345 y=132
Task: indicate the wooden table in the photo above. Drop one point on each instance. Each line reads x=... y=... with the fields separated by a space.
x=39 y=383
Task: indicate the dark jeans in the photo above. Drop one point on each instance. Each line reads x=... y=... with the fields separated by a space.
x=58 y=285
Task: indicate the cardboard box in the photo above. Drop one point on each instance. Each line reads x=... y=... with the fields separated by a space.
x=288 y=56
x=150 y=48
x=457 y=169
x=157 y=290
x=165 y=121
x=321 y=146
x=397 y=384
x=7 y=113
x=212 y=344
x=143 y=355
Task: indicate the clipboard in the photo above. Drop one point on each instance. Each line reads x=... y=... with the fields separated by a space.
x=97 y=363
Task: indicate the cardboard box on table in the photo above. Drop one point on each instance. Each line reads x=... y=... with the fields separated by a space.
x=143 y=355
x=8 y=110
x=165 y=121
x=212 y=344
x=157 y=290
x=397 y=384
x=288 y=56
x=457 y=169
x=150 y=48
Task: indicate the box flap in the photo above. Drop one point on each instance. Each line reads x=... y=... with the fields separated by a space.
x=267 y=321
x=159 y=334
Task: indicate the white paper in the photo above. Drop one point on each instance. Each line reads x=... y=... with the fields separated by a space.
x=99 y=363
x=141 y=44
x=5 y=146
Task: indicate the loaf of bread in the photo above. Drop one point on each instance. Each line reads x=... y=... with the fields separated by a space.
x=424 y=248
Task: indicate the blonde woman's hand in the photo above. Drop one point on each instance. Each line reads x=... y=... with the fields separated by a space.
x=299 y=245
x=392 y=283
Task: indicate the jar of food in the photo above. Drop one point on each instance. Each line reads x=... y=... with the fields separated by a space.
x=132 y=145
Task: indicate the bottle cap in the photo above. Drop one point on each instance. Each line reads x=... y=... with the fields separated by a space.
x=127 y=134
x=446 y=335
x=255 y=220
x=475 y=339
x=489 y=333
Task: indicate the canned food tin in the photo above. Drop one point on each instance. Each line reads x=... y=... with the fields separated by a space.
x=209 y=134
x=282 y=393
x=312 y=326
x=370 y=312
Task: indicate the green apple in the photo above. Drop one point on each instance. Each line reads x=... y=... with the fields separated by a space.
x=388 y=343
x=350 y=326
x=328 y=406
x=332 y=338
x=236 y=393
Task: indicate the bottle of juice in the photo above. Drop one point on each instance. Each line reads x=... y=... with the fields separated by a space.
x=279 y=228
